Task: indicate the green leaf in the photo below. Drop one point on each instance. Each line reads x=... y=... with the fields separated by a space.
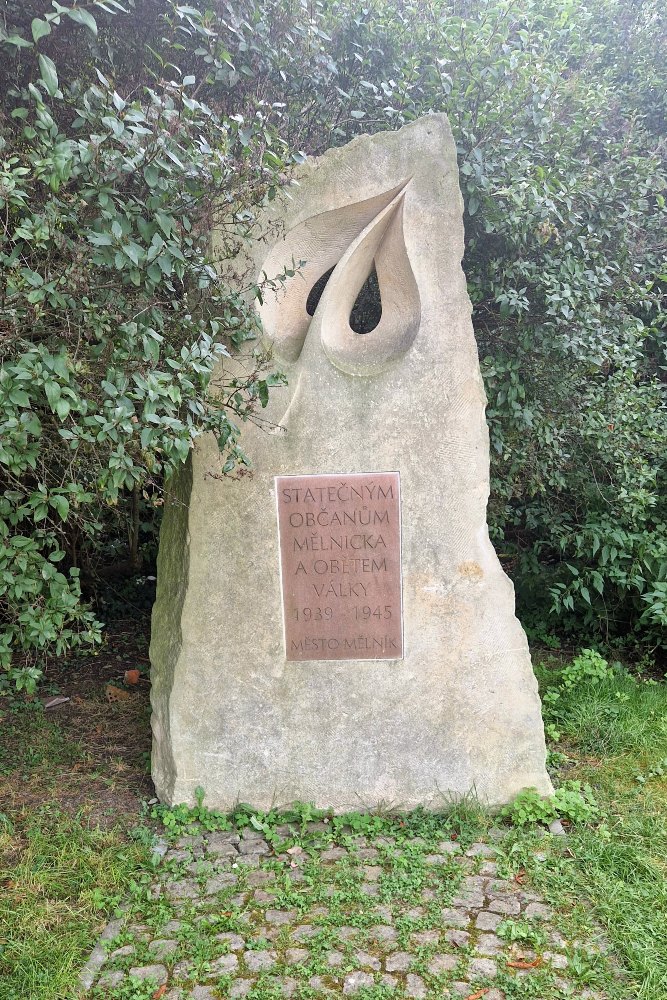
x=49 y=74
x=52 y=390
x=19 y=397
x=62 y=407
x=151 y=175
x=83 y=17
x=17 y=41
x=40 y=28
x=61 y=504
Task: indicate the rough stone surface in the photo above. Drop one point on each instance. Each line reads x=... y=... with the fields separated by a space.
x=230 y=712
x=156 y=972
x=402 y=944
x=356 y=980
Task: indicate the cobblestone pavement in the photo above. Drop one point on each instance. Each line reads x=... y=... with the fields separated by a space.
x=231 y=915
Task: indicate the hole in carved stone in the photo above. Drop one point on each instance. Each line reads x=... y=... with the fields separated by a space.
x=315 y=293
x=367 y=310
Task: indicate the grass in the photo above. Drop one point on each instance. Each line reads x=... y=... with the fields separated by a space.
x=59 y=880
x=70 y=797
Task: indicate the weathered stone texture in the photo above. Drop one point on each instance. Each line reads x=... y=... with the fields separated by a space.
x=460 y=712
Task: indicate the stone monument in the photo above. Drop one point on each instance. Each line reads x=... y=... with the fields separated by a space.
x=336 y=628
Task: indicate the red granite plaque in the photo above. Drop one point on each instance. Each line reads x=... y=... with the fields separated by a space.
x=340 y=555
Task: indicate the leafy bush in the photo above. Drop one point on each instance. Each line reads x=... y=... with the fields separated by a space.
x=558 y=111
x=587 y=667
x=573 y=801
x=130 y=130
x=113 y=314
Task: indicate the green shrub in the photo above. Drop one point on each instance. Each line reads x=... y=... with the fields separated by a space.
x=130 y=130
x=573 y=801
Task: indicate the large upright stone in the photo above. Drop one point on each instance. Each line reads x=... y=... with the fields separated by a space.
x=445 y=705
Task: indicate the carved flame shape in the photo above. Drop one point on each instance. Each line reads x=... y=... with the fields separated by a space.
x=352 y=239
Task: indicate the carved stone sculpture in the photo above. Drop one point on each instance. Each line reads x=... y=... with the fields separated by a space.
x=251 y=701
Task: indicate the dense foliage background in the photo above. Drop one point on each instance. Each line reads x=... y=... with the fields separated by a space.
x=127 y=130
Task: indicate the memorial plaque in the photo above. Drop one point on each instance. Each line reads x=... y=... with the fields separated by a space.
x=340 y=554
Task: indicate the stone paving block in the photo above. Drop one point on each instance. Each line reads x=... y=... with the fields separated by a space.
x=110 y=980
x=455 y=917
x=460 y=939
x=421 y=939
x=489 y=944
x=304 y=932
x=280 y=916
x=203 y=993
x=156 y=972
x=449 y=847
x=366 y=961
x=335 y=959
x=384 y=914
x=266 y=933
x=217 y=838
x=390 y=981
x=489 y=868
x=317 y=983
x=226 y=965
x=538 y=911
x=126 y=949
x=182 y=970
x=288 y=987
x=262 y=896
x=528 y=897
x=509 y=907
x=259 y=878
x=233 y=941
x=498 y=887
x=469 y=900
x=172 y=855
x=240 y=988
x=333 y=854
x=347 y=933
x=383 y=933
x=442 y=963
x=436 y=859
x=250 y=861
x=162 y=947
x=259 y=961
x=190 y=840
x=222 y=851
x=372 y=873
x=486 y=921
x=370 y=889
x=461 y=988
x=219 y=883
x=185 y=889
x=368 y=853
x=355 y=981
x=482 y=968
x=474 y=883
x=415 y=987
x=319 y=911
x=294 y=956
x=172 y=927
x=400 y=961
x=481 y=851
